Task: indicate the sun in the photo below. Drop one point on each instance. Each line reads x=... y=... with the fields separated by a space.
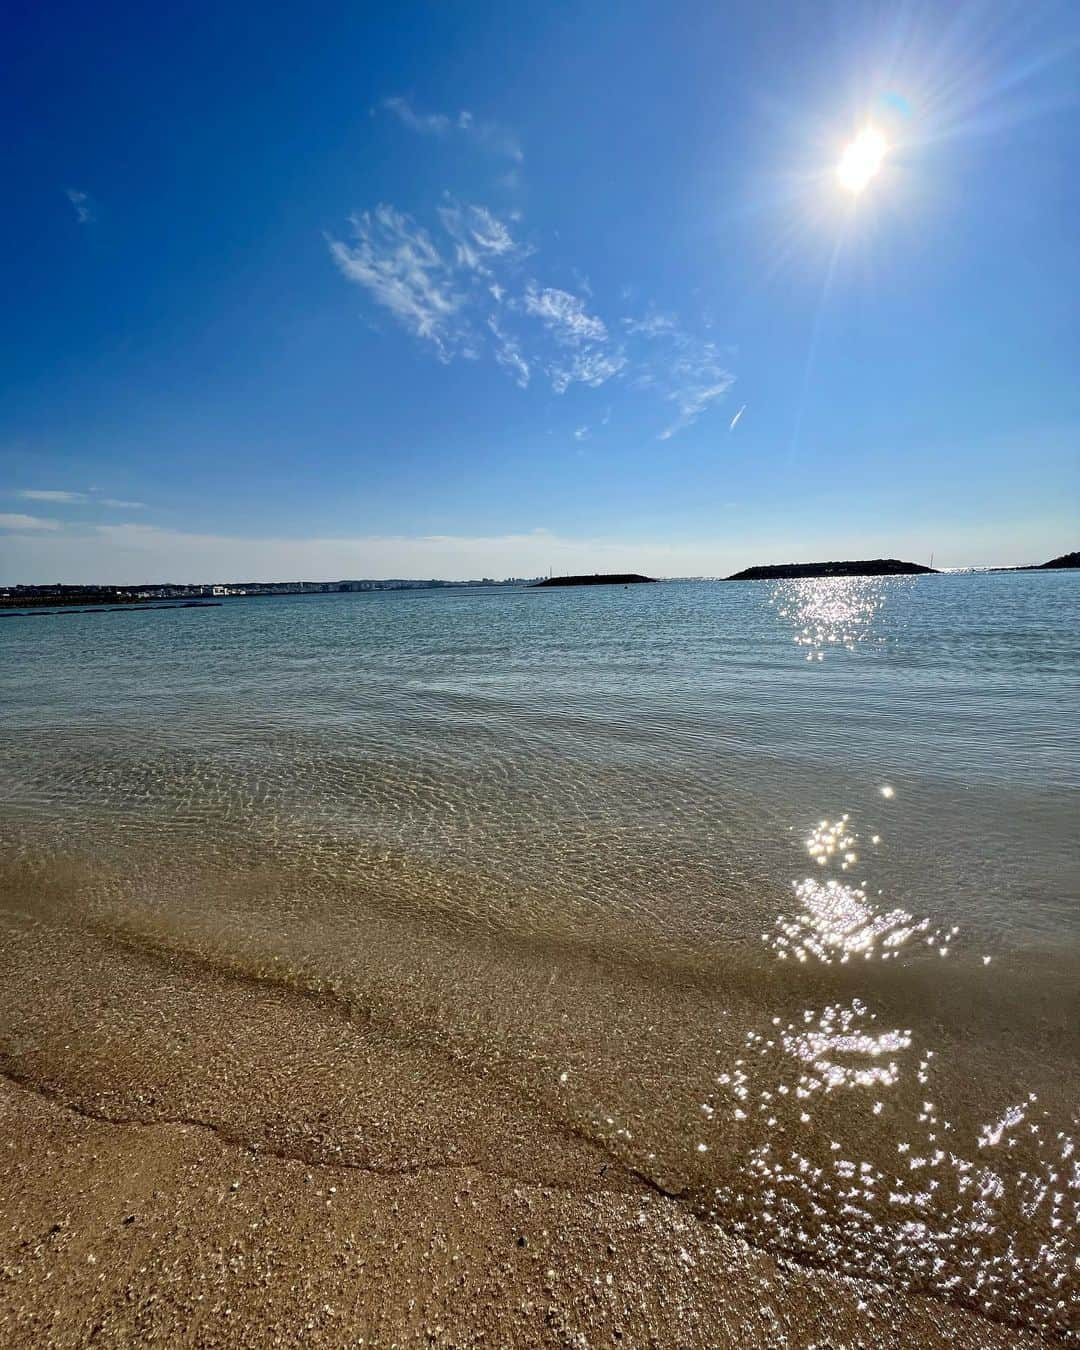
x=862 y=160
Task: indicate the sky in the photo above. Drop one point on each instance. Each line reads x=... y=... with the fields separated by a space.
x=483 y=289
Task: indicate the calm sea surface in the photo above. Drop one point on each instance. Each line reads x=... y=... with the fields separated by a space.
x=815 y=839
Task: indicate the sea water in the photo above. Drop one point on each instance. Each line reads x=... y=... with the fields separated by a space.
x=770 y=888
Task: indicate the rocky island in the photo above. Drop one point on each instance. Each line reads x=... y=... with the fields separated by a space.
x=873 y=567
x=596 y=579
x=1066 y=560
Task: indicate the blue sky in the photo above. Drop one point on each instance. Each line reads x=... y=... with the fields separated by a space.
x=482 y=289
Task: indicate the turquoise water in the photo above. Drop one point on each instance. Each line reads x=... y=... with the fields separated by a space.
x=771 y=889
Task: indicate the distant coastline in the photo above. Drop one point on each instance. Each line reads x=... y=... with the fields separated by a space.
x=144 y=595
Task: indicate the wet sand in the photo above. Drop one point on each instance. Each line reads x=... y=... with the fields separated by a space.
x=124 y=1232
x=202 y=1153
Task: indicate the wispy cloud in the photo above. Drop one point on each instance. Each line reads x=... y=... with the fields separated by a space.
x=581 y=433
x=459 y=287
x=564 y=314
x=438 y=288
x=735 y=420
x=14 y=520
x=479 y=237
x=51 y=495
x=81 y=202
x=428 y=124
x=490 y=135
x=508 y=353
x=591 y=367
x=586 y=357
x=696 y=379
x=397 y=261
x=684 y=370
x=65 y=497
x=653 y=325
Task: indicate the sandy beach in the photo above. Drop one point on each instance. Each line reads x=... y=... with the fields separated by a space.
x=356 y=983
x=131 y=1212
x=172 y=1234
x=202 y=1155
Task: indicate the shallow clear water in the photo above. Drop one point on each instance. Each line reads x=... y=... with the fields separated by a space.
x=694 y=727
x=816 y=838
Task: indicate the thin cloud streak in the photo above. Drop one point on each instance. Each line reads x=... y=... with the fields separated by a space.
x=489 y=135
x=15 y=520
x=735 y=420
x=508 y=354
x=696 y=379
x=427 y=124
x=64 y=497
x=51 y=495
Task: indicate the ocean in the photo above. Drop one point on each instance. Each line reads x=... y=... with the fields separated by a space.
x=767 y=890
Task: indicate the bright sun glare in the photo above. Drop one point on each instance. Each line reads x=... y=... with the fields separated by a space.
x=862 y=159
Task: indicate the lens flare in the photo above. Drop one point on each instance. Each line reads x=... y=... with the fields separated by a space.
x=862 y=160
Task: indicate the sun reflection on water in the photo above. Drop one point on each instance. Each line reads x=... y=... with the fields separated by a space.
x=827 y=1134
x=831 y=611
x=838 y=921
x=943 y=1215
x=823 y=1045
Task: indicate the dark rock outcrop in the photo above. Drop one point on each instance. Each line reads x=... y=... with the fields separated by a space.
x=874 y=567
x=596 y=579
x=1066 y=560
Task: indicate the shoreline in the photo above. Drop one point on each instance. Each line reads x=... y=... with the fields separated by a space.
x=125 y=1231
x=218 y=1139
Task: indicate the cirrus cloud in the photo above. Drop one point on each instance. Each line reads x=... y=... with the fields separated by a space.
x=564 y=314
x=458 y=286
x=397 y=261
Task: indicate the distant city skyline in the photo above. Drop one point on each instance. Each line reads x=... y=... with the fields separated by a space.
x=422 y=293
